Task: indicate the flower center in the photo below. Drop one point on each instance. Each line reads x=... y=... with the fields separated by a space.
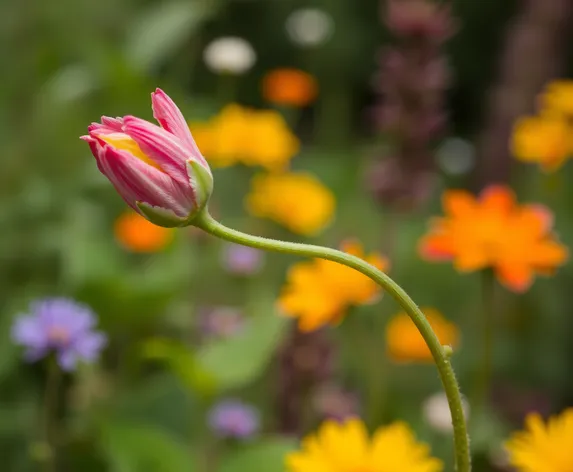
x=58 y=335
x=125 y=143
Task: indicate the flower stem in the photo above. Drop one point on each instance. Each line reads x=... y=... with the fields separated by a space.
x=461 y=441
x=50 y=407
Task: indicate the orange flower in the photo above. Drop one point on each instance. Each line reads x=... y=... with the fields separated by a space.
x=137 y=234
x=290 y=87
x=494 y=231
x=404 y=343
x=318 y=292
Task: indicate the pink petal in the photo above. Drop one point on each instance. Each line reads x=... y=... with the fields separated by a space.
x=172 y=120
x=107 y=126
x=113 y=123
x=163 y=147
x=94 y=144
x=137 y=181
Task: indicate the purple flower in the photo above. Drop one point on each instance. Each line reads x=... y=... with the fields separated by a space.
x=242 y=260
x=234 y=419
x=61 y=326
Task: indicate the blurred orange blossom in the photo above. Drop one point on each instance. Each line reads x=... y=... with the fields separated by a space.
x=290 y=87
x=247 y=136
x=296 y=200
x=136 y=234
x=404 y=343
x=319 y=292
x=493 y=231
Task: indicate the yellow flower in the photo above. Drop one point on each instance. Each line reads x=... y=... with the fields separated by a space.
x=404 y=343
x=558 y=98
x=137 y=234
x=271 y=144
x=251 y=137
x=318 y=292
x=545 y=140
x=298 y=201
x=543 y=447
x=346 y=447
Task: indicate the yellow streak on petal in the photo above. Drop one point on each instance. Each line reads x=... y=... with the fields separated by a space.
x=125 y=143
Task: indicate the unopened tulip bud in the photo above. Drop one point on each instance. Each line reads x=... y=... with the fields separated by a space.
x=158 y=170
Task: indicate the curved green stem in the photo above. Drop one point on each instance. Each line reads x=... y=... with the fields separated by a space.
x=441 y=358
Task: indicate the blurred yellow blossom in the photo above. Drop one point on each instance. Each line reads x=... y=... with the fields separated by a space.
x=543 y=447
x=346 y=447
x=243 y=135
x=404 y=343
x=137 y=234
x=557 y=99
x=318 y=292
x=546 y=140
x=296 y=200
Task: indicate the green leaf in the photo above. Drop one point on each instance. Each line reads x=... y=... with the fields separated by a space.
x=134 y=447
x=268 y=455
x=160 y=30
x=182 y=363
x=237 y=361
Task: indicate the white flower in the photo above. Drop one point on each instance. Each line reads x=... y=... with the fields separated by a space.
x=437 y=412
x=456 y=156
x=309 y=26
x=229 y=54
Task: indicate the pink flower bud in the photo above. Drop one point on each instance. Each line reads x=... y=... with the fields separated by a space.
x=158 y=171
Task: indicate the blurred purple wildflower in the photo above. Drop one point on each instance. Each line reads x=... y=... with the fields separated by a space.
x=234 y=419
x=411 y=82
x=242 y=260
x=420 y=19
x=305 y=361
x=61 y=326
x=221 y=321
